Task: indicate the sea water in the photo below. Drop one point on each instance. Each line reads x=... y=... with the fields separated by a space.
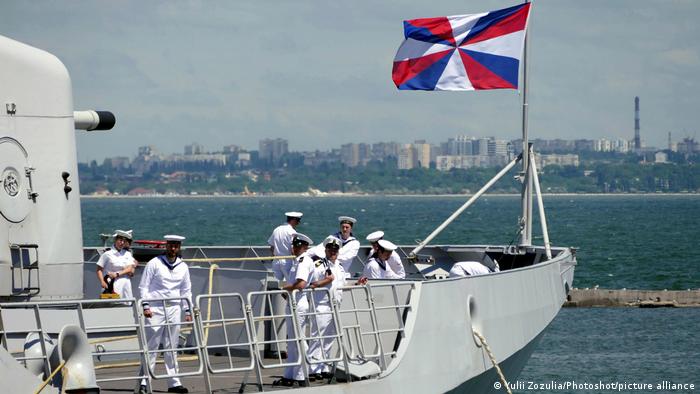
x=624 y=241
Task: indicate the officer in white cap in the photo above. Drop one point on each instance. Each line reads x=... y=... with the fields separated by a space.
x=327 y=273
x=119 y=265
x=166 y=276
x=281 y=245
x=350 y=246
x=394 y=262
x=377 y=267
x=300 y=275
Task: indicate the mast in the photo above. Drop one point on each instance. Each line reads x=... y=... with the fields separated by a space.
x=526 y=194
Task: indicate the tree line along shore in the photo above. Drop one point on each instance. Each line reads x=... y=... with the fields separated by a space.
x=591 y=176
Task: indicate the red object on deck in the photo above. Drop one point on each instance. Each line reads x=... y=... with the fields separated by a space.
x=153 y=244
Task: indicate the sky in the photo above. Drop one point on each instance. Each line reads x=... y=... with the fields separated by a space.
x=319 y=73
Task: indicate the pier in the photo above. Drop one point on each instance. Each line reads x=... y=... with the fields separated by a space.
x=633 y=298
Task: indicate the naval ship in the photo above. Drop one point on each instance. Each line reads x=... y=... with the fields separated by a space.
x=427 y=333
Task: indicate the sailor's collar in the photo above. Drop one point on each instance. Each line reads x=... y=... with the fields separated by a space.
x=167 y=263
x=339 y=235
x=381 y=263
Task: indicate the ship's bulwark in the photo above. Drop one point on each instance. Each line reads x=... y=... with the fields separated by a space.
x=439 y=354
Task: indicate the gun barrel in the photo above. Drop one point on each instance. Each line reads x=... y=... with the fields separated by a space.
x=94 y=120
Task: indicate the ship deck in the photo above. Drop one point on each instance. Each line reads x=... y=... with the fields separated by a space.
x=220 y=383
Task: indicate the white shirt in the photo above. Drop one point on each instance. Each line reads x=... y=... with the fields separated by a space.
x=281 y=239
x=302 y=269
x=468 y=268
x=281 y=242
x=114 y=260
x=396 y=266
x=163 y=280
x=319 y=273
x=377 y=269
x=347 y=253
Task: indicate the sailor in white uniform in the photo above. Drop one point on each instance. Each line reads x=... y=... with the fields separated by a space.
x=281 y=245
x=166 y=276
x=394 y=262
x=469 y=268
x=350 y=246
x=377 y=267
x=301 y=276
x=325 y=272
x=119 y=265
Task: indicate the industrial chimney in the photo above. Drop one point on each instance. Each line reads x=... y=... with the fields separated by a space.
x=637 y=140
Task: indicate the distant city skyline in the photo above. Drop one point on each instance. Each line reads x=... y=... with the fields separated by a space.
x=318 y=74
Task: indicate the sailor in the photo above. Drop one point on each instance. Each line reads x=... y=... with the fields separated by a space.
x=470 y=268
x=350 y=246
x=300 y=274
x=119 y=265
x=281 y=243
x=166 y=276
x=377 y=267
x=394 y=262
x=325 y=272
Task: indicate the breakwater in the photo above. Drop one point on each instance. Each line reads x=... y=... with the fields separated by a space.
x=633 y=298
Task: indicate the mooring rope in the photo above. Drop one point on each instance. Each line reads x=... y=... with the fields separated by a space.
x=55 y=371
x=493 y=360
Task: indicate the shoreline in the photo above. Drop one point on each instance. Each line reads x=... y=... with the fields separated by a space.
x=361 y=195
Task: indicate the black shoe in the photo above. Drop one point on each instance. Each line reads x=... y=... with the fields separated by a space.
x=271 y=354
x=301 y=383
x=315 y=376
x=283 y=382
x=141 y=390
x=326 y=375
x=178 y=389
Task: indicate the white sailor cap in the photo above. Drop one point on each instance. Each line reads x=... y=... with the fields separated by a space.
x=347 y=219
x=375 y=236
x=294 y=214
x=300 y=238
x=124 y=234
x=174 y=238
x=332 y=241
x=386 y=245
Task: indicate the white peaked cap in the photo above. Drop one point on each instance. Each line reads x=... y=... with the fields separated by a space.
x=386 y=245
x=174 y=238
x=331 y=240
x=303 y=237
x=342 y=219
x=375 y=236
x=125 y=234
x=294 y=214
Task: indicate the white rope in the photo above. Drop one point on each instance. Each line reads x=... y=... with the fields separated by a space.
x=493 y=360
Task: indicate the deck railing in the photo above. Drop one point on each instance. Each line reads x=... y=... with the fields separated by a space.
x=366 y=330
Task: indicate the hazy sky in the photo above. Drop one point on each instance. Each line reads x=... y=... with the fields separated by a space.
x=319 y=73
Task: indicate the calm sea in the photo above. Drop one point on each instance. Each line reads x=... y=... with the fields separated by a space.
x=625 y=241
x=630 y=241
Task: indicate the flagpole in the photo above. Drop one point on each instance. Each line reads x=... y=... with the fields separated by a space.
x=526 y=194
